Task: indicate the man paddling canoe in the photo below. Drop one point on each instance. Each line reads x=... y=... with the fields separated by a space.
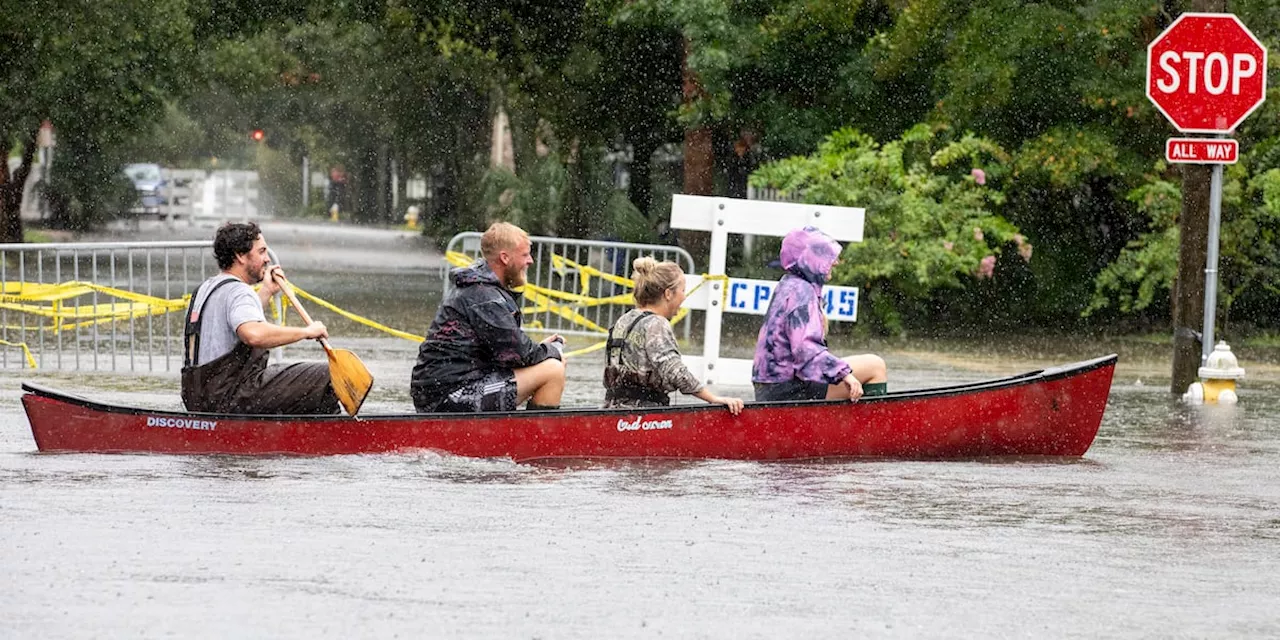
x=227 y=337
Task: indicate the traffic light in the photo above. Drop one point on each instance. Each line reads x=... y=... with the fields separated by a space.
x=258 y=135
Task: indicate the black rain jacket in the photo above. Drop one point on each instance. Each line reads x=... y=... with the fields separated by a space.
x=476 y=331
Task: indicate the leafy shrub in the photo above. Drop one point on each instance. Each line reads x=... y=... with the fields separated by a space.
x=931 y=224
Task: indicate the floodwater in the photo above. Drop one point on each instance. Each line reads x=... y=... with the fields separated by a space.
x=1168 y=527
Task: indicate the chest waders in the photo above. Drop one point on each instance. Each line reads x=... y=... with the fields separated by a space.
x=226 y=384
x=241 y=382
x=619 y=389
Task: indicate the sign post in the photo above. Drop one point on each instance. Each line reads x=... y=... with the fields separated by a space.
x=1206 y=73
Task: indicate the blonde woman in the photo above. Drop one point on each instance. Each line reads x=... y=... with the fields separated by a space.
x=644 y=364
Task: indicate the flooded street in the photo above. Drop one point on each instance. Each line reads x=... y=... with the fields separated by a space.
x=1168 y=527
x=967 y=202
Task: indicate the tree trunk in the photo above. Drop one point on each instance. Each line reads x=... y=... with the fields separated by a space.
x=444 y=199
x=11 y=188
x=363 y=186
x=1188 y=289
x=735 y=160
x=573 y=222
x=699 y=157
x=699 y=160
x=640 y=191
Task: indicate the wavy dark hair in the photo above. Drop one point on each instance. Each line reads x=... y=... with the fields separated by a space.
x=234 y=239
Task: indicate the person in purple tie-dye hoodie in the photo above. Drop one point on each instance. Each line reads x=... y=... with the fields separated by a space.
x=792 y=361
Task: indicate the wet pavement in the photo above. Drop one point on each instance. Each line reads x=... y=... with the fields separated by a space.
x=308 y=245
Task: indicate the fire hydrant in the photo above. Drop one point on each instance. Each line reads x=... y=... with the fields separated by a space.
x=1218 y=379
x=411 y=217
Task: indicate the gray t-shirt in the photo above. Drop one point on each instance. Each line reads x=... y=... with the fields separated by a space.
x=229 y=307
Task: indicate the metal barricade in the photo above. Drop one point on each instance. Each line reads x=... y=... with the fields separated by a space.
x=612 y=258
x=150 y=342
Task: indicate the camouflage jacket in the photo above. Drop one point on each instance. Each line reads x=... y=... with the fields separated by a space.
x=648 y=359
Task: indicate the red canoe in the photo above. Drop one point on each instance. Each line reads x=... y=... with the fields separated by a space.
x=1052 y=412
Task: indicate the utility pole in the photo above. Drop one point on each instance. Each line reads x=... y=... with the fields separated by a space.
x=1193 y=229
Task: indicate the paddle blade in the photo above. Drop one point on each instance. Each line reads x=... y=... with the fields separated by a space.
x=351 y=379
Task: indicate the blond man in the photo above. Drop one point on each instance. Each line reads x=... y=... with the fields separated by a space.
x=476 y=357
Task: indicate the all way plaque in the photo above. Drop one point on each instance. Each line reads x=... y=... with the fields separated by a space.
x=1202 y=150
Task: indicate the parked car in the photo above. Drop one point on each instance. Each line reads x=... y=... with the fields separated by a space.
x=149 y=182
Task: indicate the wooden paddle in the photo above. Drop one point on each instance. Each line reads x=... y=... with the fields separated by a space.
x=351 y=379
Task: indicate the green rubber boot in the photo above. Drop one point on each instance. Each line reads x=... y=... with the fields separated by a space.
x=874 y=389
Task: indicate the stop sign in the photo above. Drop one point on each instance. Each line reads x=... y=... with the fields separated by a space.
x=1206 y=72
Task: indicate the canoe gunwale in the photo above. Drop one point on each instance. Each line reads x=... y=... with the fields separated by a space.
x=1032 y=377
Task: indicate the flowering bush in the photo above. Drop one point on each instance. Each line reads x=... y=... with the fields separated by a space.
x=930 y=202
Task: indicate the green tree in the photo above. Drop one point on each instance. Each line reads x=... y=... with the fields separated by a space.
x=99 y=72
x=1142 y=277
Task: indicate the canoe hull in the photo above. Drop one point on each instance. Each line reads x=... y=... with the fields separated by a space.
x=1055 y=412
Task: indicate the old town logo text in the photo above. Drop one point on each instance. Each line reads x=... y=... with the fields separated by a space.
x=182 y=423
x=640 y=424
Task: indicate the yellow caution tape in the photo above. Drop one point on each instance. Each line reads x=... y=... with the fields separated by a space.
x=459 y=259
x=585 y=350
x=358 y=319
x=49 y=301
x=560 y=263
x=26 y=352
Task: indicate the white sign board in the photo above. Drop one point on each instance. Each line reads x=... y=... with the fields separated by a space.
x=722 y=216
x=753 y=296
x=415 y=188
x=763 y=218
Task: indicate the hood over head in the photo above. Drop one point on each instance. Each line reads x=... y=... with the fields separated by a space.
x=477 y=272
x=810 y=254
